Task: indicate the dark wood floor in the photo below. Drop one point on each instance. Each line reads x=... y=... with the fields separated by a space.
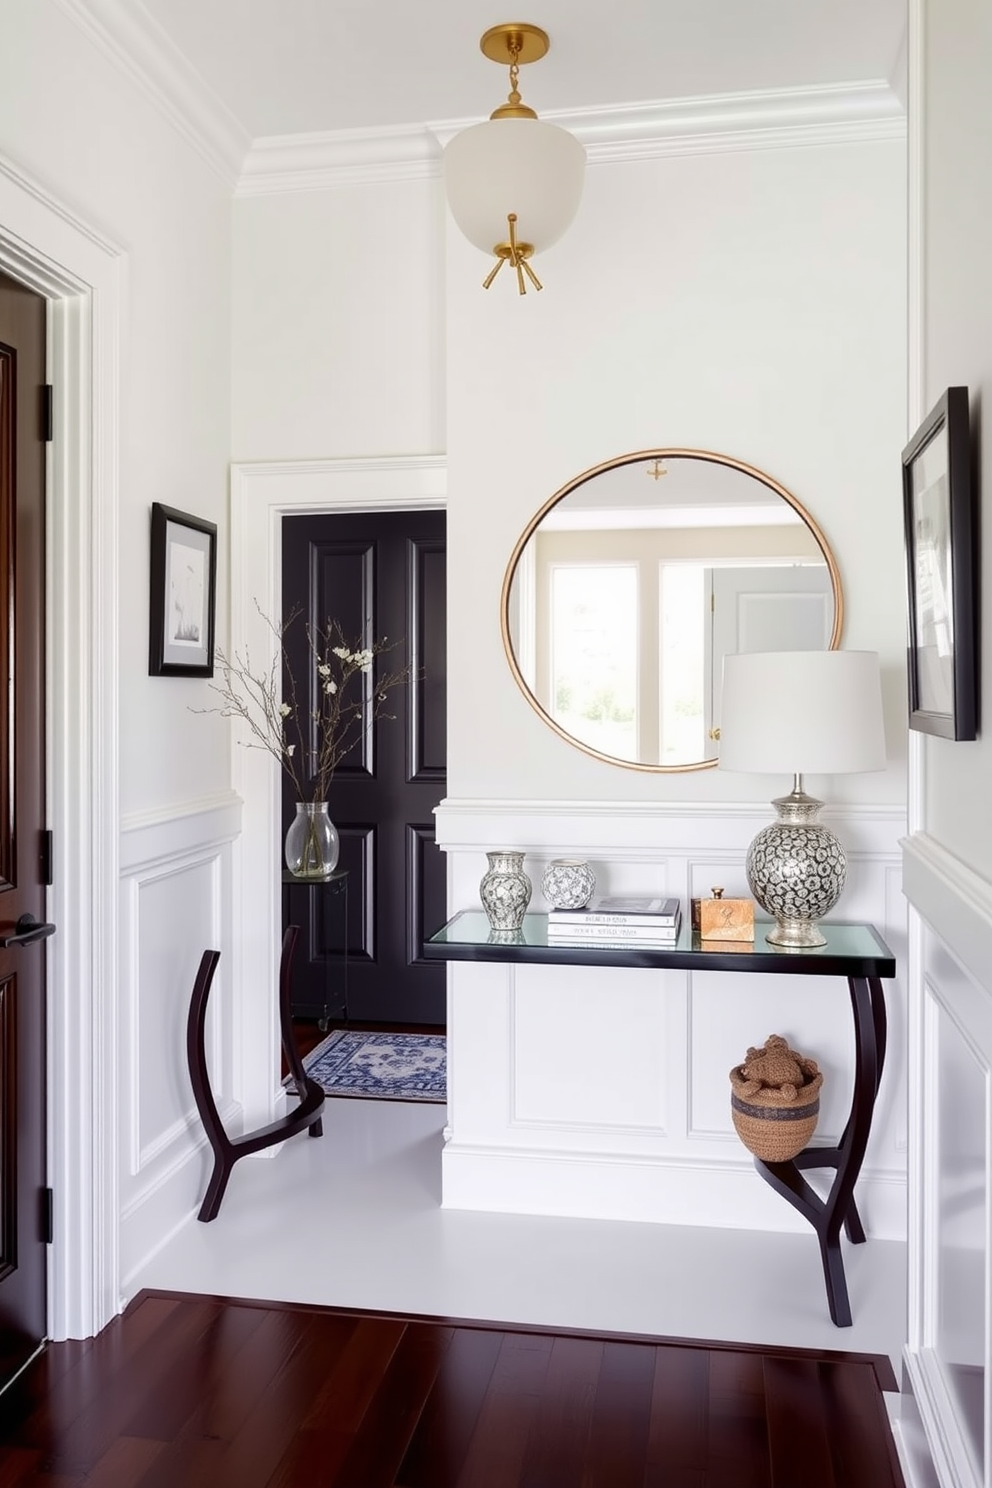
x=199 y=1392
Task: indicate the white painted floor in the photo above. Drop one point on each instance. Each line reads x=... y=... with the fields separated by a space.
x=354 y=1220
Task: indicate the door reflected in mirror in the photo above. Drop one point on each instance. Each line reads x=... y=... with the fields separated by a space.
x=633 y=581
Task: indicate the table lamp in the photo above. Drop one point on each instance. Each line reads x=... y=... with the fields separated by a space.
x=796 y=713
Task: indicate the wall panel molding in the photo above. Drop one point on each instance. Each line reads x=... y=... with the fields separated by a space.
x=669 y=1152
x=176 y=869
x=952 y=907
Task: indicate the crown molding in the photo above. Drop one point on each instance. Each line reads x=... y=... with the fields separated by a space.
x=144 y=53
x=780 y=118
x=775 y=119
x=345 y=157
x=786 y=118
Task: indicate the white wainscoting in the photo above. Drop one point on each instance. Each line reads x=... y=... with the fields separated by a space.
x=947 y=1359
x=176 y=878
x=605 y=1093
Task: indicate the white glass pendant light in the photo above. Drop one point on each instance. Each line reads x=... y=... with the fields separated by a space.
x=513 y=184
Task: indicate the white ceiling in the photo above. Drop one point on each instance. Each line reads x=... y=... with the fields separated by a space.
x=301 y=66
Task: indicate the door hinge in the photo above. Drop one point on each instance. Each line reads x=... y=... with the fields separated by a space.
x=47 y=411
x=47 y=1216
x=46 y=859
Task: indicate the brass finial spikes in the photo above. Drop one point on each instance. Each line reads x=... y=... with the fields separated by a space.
x=516 y=254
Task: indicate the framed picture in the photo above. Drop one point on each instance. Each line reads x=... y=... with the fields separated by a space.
x=940 y=569
x=183 y=588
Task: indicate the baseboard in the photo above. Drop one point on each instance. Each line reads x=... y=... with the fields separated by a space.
x=910 y=1442
x=720 y=1195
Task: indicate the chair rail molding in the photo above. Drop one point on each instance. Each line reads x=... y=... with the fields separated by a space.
x=150 y=838
x=626 y=828
x=46 y=246
x=262 y=493
x=953 y=900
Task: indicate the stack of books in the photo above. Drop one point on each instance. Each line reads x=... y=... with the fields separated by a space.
x=617 y=920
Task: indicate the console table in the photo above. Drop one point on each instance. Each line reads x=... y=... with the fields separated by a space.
x=856 y=952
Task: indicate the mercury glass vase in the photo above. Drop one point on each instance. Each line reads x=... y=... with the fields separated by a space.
x=568 y=883
x=312 y=843
x=505 y=890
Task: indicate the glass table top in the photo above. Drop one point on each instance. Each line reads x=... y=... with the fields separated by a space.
x=851 y=949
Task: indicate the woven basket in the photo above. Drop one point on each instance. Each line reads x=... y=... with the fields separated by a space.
x=770 y=1125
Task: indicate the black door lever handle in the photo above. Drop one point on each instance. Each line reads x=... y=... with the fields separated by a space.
x=27 y=931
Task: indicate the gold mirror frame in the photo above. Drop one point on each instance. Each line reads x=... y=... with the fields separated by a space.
x=614 y=464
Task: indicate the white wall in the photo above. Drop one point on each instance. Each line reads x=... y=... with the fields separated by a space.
x=948 y=859
x=97 y=139
x=338 y=335
x=957 y=337
x=88 y=133
x=750 y=302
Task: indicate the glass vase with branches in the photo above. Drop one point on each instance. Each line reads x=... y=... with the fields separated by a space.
x=308 y=723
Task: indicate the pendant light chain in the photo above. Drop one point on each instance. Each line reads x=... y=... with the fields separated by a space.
x=514 y=96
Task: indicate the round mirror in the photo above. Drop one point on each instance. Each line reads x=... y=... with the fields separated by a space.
x=631 y=584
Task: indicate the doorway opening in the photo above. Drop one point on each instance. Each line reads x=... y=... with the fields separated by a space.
x=262 y=495
x=374 y=576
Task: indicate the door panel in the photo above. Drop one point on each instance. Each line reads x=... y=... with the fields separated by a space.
x=776 y=608
x=22 y=801
x=380 y=575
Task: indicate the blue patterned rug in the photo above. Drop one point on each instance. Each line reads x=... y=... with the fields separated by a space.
x=381 y=1066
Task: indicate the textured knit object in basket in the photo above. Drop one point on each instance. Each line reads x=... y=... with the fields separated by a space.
x=775 y=1100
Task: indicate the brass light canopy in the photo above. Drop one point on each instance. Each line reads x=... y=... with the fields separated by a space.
x=514 y=183
x=514 y=44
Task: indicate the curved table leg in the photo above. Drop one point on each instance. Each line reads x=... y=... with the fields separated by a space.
x=228 y=1150
x=838 y=1210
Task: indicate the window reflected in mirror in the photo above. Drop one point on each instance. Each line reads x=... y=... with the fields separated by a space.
x=631 y=584
x=592 y=614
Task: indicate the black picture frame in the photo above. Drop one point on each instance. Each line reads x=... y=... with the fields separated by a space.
x=183 y=594
x=940 y=542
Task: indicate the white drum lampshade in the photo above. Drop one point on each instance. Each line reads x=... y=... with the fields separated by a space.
x=796 y=713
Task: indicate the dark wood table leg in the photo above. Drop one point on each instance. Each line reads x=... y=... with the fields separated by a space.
x=227 y=1150
x=838 y=1210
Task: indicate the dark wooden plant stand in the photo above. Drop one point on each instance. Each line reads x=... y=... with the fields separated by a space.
x=227 y=1150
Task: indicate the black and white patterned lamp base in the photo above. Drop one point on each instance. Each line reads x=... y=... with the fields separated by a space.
x=796 y=870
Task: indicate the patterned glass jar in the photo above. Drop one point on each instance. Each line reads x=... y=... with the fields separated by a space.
x=505 y=890
x=568 y=883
